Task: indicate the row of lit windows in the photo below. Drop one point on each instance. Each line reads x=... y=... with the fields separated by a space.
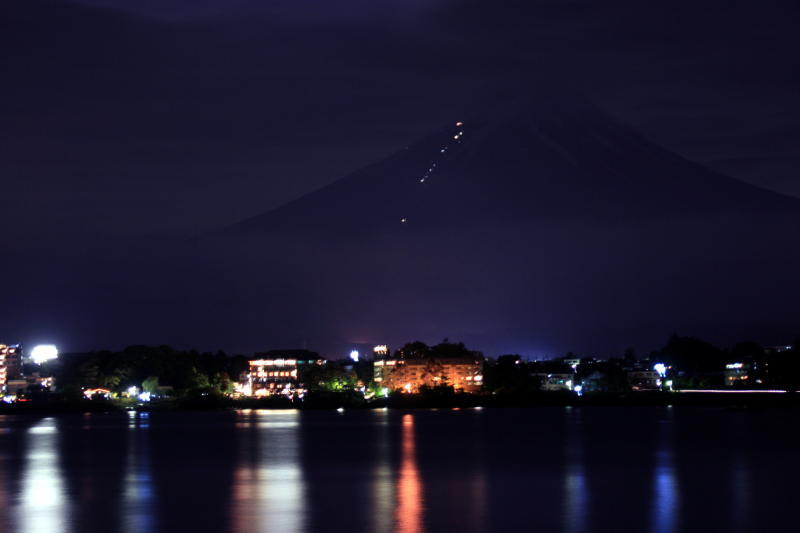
x=276 y=374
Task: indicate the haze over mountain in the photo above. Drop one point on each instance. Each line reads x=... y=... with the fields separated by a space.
x=539 y=226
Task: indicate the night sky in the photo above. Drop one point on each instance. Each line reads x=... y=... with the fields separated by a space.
x=129 y=126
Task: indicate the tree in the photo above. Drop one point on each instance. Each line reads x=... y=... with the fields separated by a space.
x=198 y=381
x=433 y=374
x=690 y=355
x=450 y=350
x=150 y=384
x=398 y=377
x=104 y=370
x=330 y=377
x=413 y=350
x=507 y=375
x=223 y=383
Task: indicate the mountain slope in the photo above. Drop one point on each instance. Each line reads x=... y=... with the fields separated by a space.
x=534 y=227
x=525 y=161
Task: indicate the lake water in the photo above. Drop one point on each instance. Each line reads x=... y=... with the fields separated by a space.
x=473 y=470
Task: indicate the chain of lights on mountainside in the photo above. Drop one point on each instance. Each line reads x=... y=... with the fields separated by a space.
x=457 y=137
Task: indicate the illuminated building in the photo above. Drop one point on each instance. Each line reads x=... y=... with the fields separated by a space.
x=642 y=378
x=382 y=368
x=280 y=371
x=10 y=364
x=736 y=374
x=464 y=374
x=380 y=350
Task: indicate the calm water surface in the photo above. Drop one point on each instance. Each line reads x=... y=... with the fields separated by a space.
x=473 y=470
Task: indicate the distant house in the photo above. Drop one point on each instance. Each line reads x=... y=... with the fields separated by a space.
x=21 y=383
x=736 y=374
x=557 y=381
x=164 y=390
x=642 y=378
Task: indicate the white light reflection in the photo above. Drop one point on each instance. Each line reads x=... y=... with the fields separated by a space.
x=382 y=493
x=666 y=491
x=138 y=507
x=269 y=490
x=576 y=496
x=43 y=506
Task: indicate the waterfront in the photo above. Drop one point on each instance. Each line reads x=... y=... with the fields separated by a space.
x=569 y=469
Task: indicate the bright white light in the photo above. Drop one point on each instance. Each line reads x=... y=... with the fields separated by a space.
x=385 y=392
x=661 y=369
x=578 y=389
x=132 y=391
x=145 y=397
x=43 y=353
x=354 y=355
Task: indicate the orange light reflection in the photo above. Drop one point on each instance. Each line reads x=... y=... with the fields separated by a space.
x=408 y=514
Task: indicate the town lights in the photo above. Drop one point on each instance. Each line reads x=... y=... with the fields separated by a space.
x=661 y=369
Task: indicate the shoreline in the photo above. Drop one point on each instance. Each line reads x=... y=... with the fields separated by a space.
x=735 y=401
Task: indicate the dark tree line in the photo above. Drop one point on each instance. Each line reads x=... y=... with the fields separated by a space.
x=183 y=371
x=692 y=364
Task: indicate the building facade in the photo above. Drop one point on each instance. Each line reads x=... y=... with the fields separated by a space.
x=280 y=371
x=555 y=381
x=10 y=365
x=464 y=374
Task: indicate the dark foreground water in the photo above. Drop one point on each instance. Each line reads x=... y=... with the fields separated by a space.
x=547 y=469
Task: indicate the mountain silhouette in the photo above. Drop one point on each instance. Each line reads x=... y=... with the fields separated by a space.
x=531 y=159
x=539 y=225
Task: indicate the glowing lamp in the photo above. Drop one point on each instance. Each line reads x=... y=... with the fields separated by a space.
x=43 y=353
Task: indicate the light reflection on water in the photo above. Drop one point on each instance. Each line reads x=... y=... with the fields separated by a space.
x=395 y=472
x=410 y=493
x=42 y=504
x=576 y=495
x=138 y=505
x=382 y=486
x=666 y=490
x=268 y=492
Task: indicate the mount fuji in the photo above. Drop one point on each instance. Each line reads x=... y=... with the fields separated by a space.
x=538 y=226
